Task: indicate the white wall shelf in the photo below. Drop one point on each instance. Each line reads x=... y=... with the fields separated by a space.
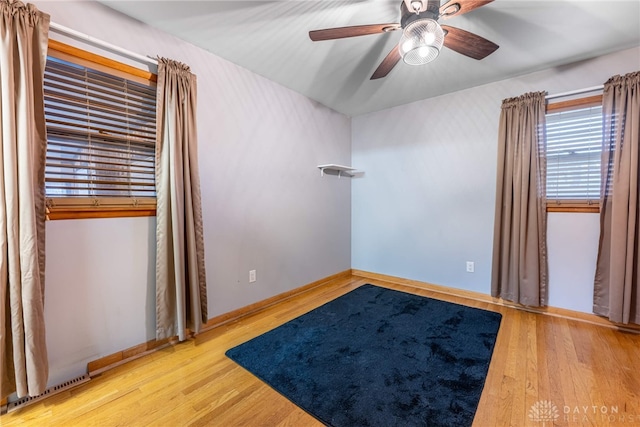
x=342 y=170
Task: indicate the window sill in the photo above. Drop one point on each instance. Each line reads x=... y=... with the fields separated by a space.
x=56 y=213
x=573 y=209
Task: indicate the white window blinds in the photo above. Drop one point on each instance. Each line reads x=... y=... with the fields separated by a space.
x=574 y=145
x=101 y=134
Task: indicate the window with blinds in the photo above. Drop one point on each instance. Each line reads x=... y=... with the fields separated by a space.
x=574 y=146
x=101 y=134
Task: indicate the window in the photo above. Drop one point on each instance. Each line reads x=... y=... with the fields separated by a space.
x=574 y=146
x=101 y=134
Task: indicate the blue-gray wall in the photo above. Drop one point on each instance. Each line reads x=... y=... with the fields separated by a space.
x=426 y=203
x=265 y=206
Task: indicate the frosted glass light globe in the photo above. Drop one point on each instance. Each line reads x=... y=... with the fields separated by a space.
x=421 y=42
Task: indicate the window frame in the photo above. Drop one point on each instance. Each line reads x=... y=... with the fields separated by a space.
x=556 y=107
x=82 y=208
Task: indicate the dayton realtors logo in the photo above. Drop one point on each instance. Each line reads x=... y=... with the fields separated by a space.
x=545 y=411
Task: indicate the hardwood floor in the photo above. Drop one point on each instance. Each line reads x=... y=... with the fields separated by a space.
x=588 y=373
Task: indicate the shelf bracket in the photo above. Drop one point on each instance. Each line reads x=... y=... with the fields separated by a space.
x=342 y=170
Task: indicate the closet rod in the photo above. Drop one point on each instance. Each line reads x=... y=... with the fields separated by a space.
x=575 y=92
x=60 y=29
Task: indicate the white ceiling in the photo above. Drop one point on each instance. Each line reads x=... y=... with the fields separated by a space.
x=270 y=38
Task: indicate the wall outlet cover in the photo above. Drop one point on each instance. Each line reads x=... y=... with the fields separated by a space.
x=470 y=266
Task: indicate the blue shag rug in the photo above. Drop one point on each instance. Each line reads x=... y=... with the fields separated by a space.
x=379 y=357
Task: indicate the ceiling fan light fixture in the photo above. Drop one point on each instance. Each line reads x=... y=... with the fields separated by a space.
x=421 y=42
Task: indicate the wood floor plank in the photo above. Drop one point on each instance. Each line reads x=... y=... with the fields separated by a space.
x=588 y=372
x=542 y=373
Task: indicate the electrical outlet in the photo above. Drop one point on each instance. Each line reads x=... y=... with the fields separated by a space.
x=252 y=276
x=470 y=266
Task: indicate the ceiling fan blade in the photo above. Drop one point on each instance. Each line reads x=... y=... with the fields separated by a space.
x=387 y=64
x=354 y=31
x=459 y=7
x=467 y=43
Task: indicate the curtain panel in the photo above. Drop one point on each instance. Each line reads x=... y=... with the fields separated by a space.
x=617 y=274
x=181 y=288
x=519 y=272
x=23 y=48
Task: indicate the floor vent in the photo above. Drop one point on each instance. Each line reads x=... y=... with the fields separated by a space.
x=26 y=401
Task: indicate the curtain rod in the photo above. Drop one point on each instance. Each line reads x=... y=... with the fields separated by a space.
x=575 y=92
x=60 y=29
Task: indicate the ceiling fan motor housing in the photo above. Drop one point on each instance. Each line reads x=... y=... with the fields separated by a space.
x=409 y=16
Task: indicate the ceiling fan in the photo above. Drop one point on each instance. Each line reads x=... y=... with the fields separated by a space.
x=422 y=35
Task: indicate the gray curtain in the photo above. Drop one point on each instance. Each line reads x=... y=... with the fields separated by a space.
x=23 y=49
x=616 y=293
x=519 y=271
x=181 y=288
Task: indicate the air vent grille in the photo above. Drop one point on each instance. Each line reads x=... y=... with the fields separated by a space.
x=29 y=400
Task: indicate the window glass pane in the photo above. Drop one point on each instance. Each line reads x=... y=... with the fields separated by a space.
x=101 y=132
x=574 y=144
